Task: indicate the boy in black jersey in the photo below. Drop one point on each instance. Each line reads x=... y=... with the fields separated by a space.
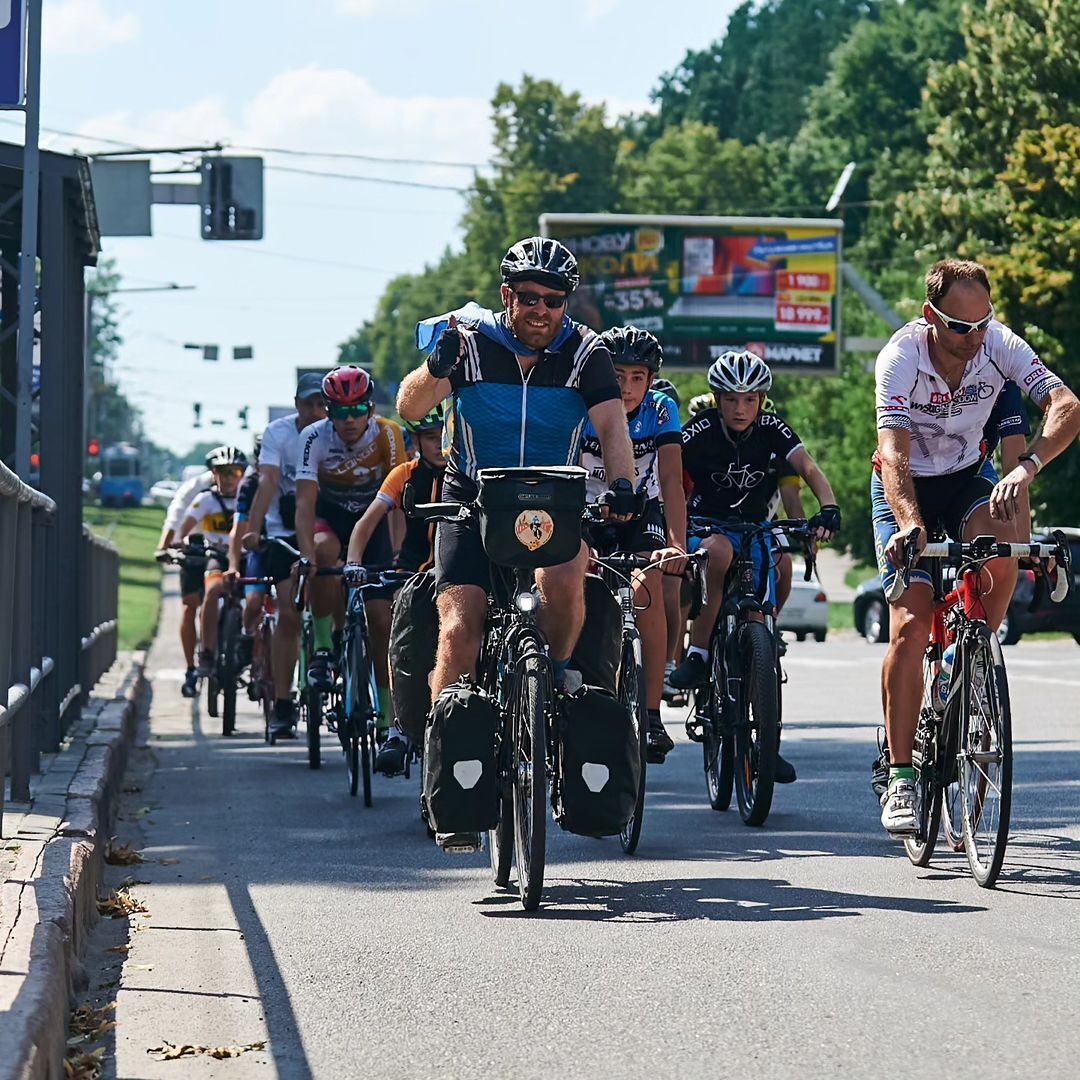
x=727 y=452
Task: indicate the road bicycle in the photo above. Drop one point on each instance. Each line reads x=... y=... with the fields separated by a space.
x=963 y=758
x=737 y=714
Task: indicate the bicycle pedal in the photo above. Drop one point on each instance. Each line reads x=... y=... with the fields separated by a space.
x=695 y=730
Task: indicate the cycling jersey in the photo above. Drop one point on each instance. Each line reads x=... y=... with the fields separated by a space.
x=212 y=514
x=416 y=549
x=502 y=419
x=349 y=475
x=184 y=496
x=946 y=427
x=245 y=493
x=654 y=423
x=730 y=474
x=280 y=450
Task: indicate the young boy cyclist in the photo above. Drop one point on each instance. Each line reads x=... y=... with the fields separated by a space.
x=660 y=533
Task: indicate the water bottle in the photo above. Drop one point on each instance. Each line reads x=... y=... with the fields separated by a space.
x=945 y=673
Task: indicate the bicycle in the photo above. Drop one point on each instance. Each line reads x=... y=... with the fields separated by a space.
x=963 y=741
x=351 y=707
x=737 y=714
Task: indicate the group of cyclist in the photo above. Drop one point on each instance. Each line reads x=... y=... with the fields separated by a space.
x=530 y=386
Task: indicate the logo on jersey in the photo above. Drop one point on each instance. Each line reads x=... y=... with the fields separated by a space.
x=533 y=528
x=743 y=479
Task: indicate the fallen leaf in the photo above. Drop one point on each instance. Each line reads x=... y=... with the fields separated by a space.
x=139 y=967
x=119 y=905
x=168 y=862
x=168 y=1051
x=124 y=855
x=85 y=1065
x=141 y=812
x=120 y=949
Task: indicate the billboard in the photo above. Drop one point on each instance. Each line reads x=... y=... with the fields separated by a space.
x=707 y=284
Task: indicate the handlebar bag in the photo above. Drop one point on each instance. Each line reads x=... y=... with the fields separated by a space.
x=531 y=518
x=460 y=774
x=600 y=764
x=414 y=637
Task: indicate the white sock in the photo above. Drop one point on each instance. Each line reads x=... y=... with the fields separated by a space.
x=695 y=651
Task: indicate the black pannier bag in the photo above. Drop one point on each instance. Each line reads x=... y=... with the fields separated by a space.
x=460 y=782
x=599 y=647
x=531 y=517
x=601 y=764
x=414 y=637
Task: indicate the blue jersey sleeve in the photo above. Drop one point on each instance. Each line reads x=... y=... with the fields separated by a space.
x=668 y=427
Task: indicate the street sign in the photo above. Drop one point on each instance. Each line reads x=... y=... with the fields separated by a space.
x=12 y=53
x=232 y=198
x=122 y=195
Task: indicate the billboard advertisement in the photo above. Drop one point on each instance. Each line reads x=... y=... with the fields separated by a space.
x=707 y=284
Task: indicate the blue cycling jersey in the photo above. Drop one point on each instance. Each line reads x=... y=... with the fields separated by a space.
x=654 y=423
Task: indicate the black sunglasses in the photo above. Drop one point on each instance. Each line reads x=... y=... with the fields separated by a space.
x=962 y=326
x=531 y=299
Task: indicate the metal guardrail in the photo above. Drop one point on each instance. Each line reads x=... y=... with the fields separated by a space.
x=57 y=628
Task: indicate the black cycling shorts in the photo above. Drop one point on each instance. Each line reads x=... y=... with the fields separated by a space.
x=191 y=578
x=460 y=558
x=277 y=563
x=646 y=534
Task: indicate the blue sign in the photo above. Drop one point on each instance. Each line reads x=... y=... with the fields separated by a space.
x=12 y=52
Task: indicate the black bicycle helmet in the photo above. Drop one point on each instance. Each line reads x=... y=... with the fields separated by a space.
x=629 y=345
x=432 y=422
x=545 y=261
x=740 y=373
x=666 y=386
x=222 y=456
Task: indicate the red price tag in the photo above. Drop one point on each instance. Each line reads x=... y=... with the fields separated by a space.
x=803 y=281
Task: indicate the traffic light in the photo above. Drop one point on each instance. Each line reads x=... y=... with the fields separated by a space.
x=231 y=196
x=243 y=416
x=198 y=414
x=93 y=447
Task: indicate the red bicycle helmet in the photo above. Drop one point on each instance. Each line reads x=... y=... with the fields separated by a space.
x=348 y=385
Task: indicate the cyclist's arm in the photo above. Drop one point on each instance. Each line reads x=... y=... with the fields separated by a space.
x=1010 y=448
x=364 y=529
x=420 y=392
x=609 y=420
x=306 y=493
x=669 y=458
x=1060 y=426
x=808 y=469
x=894 y=448
x=269 y=479
x=186 y=526
x=239 y=528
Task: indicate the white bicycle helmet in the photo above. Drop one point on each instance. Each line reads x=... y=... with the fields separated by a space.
x=226 y=455
x=740 y=373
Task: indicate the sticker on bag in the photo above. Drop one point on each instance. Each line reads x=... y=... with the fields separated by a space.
x=534 y=528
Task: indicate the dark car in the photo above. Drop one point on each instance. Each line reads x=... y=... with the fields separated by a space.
x=871 y=612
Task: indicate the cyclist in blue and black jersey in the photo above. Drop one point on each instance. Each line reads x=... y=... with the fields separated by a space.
x=660 y=533
x=522 y=385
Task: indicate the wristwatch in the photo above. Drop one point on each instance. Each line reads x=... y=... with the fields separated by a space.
x=1034 y=459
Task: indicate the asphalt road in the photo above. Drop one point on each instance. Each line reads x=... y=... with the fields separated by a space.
x=285 y=911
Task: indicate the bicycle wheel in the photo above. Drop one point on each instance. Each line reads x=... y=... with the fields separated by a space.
x=313 y=717
x=529 y=771
x=230 y=636
x=263 y=676
x=924 y=757
x=632 y=698
x=756 y=726
x=985 y=757
x=719 y=742
x=212 y=695
x=501 y=838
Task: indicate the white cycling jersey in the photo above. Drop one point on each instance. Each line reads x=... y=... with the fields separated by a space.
x=184 y=496
x=947 y=427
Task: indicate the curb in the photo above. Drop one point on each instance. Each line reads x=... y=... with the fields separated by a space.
x=48 y=904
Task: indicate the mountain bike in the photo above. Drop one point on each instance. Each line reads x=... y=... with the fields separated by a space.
x=737 y=714
x=963 y=756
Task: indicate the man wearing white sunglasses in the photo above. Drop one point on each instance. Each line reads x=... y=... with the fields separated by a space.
x=937 y=381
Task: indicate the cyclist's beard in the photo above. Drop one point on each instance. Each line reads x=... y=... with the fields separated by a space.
x=536 y=337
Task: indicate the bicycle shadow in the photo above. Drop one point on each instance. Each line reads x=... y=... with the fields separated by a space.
x=711 y=898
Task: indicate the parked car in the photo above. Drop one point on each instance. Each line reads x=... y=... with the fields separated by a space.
x=807 y=609
x=871 y=612
x=161 y=494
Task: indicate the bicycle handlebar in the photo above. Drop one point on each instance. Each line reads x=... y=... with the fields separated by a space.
x=794 y=528
x=452 y=511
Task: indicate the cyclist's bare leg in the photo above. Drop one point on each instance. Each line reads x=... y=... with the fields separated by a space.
x=998 y=575
x=323 y=591
x=783 y=581
x=285 y=644
x=674 y=616
x=902 y=687
x=378 y=617
x=188 y=634
x=253 y=605
x=215 y=586
x=652 y=625
x=720 y=556
x=562 y=598
x=462 y=610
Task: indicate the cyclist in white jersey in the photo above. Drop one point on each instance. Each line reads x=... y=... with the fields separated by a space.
x=937 y=381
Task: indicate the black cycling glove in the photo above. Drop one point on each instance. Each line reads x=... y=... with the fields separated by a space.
x=827 y=518
x=446 y=354
x=621 y=499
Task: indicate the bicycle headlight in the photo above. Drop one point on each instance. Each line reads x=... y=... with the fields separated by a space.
x=526 y=602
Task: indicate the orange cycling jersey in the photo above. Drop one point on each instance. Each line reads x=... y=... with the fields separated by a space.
x=416 y=550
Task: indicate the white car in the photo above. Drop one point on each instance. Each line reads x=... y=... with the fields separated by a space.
x=162 y=492
x=807 y=609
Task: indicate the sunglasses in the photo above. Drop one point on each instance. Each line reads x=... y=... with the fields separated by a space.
x=349 y=412
x=229 y=470
x=962 y=326
x=531 y=299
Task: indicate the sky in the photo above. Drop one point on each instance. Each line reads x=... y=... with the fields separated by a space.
x=385 y=78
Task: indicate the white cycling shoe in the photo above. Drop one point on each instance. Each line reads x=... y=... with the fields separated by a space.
x=898 y=809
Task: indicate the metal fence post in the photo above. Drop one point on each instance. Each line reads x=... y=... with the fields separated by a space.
x=23 y=755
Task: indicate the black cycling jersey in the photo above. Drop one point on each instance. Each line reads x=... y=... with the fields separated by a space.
x=245 y=494
x=733 y=477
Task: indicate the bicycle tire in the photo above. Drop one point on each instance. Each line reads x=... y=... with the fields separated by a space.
x=632 y=698
x=757 y=726
x=529 y=775
x=718 y=744
x=313 y=719
x=924 y=759
x=230 y=636
x=212 y=696
x=985 y=758
x=366 y=742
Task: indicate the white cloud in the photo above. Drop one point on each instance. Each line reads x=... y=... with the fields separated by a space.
x=366 y=9
x=595 y=10
x=73 y=27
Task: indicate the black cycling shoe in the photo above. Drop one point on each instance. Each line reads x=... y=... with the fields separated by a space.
x=785 y=771
x=206 y=662
x=245 y=647
x=879 y=771
x=320 y=674
x=690 y=674
x=660 y=743
x=390 y=760
x=283 y=726
x=191 y=683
